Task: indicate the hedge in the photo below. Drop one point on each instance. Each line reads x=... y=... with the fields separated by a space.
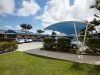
x=7 y=40
x=48 y=43
x=7 y=46
x=64 y=44
x=94 y=46
x=61 y=44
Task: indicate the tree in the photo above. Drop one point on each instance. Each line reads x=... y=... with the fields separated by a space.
x=96 y=5
x=96 y=21
x=29 y=27
x=40 y=31
x=53 y=33
x=26 y=27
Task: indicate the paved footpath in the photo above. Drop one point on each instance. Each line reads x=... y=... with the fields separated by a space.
x=64 y=56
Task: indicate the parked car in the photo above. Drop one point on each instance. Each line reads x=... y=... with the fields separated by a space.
x=75 y=44
x=19 y=40
x=38 y=39
x=27 y=40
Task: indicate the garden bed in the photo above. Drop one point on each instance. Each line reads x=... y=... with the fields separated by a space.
x=7 y=47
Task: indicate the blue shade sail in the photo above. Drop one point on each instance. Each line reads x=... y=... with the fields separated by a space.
x=67 y=27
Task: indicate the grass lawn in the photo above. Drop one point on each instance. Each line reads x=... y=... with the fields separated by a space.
x=19 y=63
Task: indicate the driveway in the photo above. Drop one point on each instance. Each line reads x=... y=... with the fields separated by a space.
x=29 y=46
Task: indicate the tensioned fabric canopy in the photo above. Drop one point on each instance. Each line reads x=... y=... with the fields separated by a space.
x=67 y=27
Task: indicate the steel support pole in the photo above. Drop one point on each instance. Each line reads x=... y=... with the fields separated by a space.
x=76 y=34
x=85 y=36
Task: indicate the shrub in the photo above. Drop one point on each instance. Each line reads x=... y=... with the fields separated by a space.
x=7 y=46
x=64 y=44
x=94 y=46
x=48 y=43
x=61 y=44
x=7 y=40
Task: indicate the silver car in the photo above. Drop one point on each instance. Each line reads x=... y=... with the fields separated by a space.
x=75 y=44
x=19 y=40
x=27 y=40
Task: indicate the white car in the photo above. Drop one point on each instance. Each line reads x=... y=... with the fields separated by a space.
x=27 y=40
x=75 y=44
x=78 y=45
x=19 y=40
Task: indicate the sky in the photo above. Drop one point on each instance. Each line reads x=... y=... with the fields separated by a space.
x=42 y=13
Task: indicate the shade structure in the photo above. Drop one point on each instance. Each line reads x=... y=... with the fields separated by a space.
x=67 y=27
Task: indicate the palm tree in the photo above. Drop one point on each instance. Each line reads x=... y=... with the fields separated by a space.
x=29 y=27
x=40 y=31
x=23 y=26
x=26 y=27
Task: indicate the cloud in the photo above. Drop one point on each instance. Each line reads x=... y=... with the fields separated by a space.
x=7 y=27
x=60 y=10
x=29 y=7
x=7 y=7
x=17 y=27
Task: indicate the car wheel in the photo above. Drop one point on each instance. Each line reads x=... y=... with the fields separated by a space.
x=74 y=46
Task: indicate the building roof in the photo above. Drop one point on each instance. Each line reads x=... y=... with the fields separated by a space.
x=23 y=32
x=10 y=32
x=2 y=31
x=15 y=32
